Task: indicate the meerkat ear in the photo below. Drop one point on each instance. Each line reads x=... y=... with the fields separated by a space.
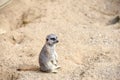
x=46 y=39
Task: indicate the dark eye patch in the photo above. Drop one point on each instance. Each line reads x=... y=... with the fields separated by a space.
x=53 y=39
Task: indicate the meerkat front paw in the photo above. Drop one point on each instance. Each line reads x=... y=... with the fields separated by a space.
x=54 y=62
x=58 y=67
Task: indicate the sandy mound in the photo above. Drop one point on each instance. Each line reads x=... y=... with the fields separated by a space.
x=88 y=49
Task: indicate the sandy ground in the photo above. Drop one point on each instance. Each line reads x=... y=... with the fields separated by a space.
x=88 y=48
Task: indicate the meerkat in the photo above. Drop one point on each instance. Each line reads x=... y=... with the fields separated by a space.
x=48 y=57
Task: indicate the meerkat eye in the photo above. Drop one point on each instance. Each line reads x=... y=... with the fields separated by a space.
x=53 y=39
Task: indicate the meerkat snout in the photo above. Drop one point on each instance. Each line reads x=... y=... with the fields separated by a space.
x=57 y=41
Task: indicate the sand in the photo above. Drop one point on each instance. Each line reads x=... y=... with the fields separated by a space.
x=88 y=48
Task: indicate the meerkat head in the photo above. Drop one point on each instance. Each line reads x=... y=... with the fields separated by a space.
x=51 y=39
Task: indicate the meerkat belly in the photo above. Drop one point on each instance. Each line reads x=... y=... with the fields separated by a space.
x=52 y=54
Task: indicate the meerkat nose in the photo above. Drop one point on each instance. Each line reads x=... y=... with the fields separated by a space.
x=57 y=41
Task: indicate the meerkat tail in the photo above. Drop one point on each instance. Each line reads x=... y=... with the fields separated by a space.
x=29 y=68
